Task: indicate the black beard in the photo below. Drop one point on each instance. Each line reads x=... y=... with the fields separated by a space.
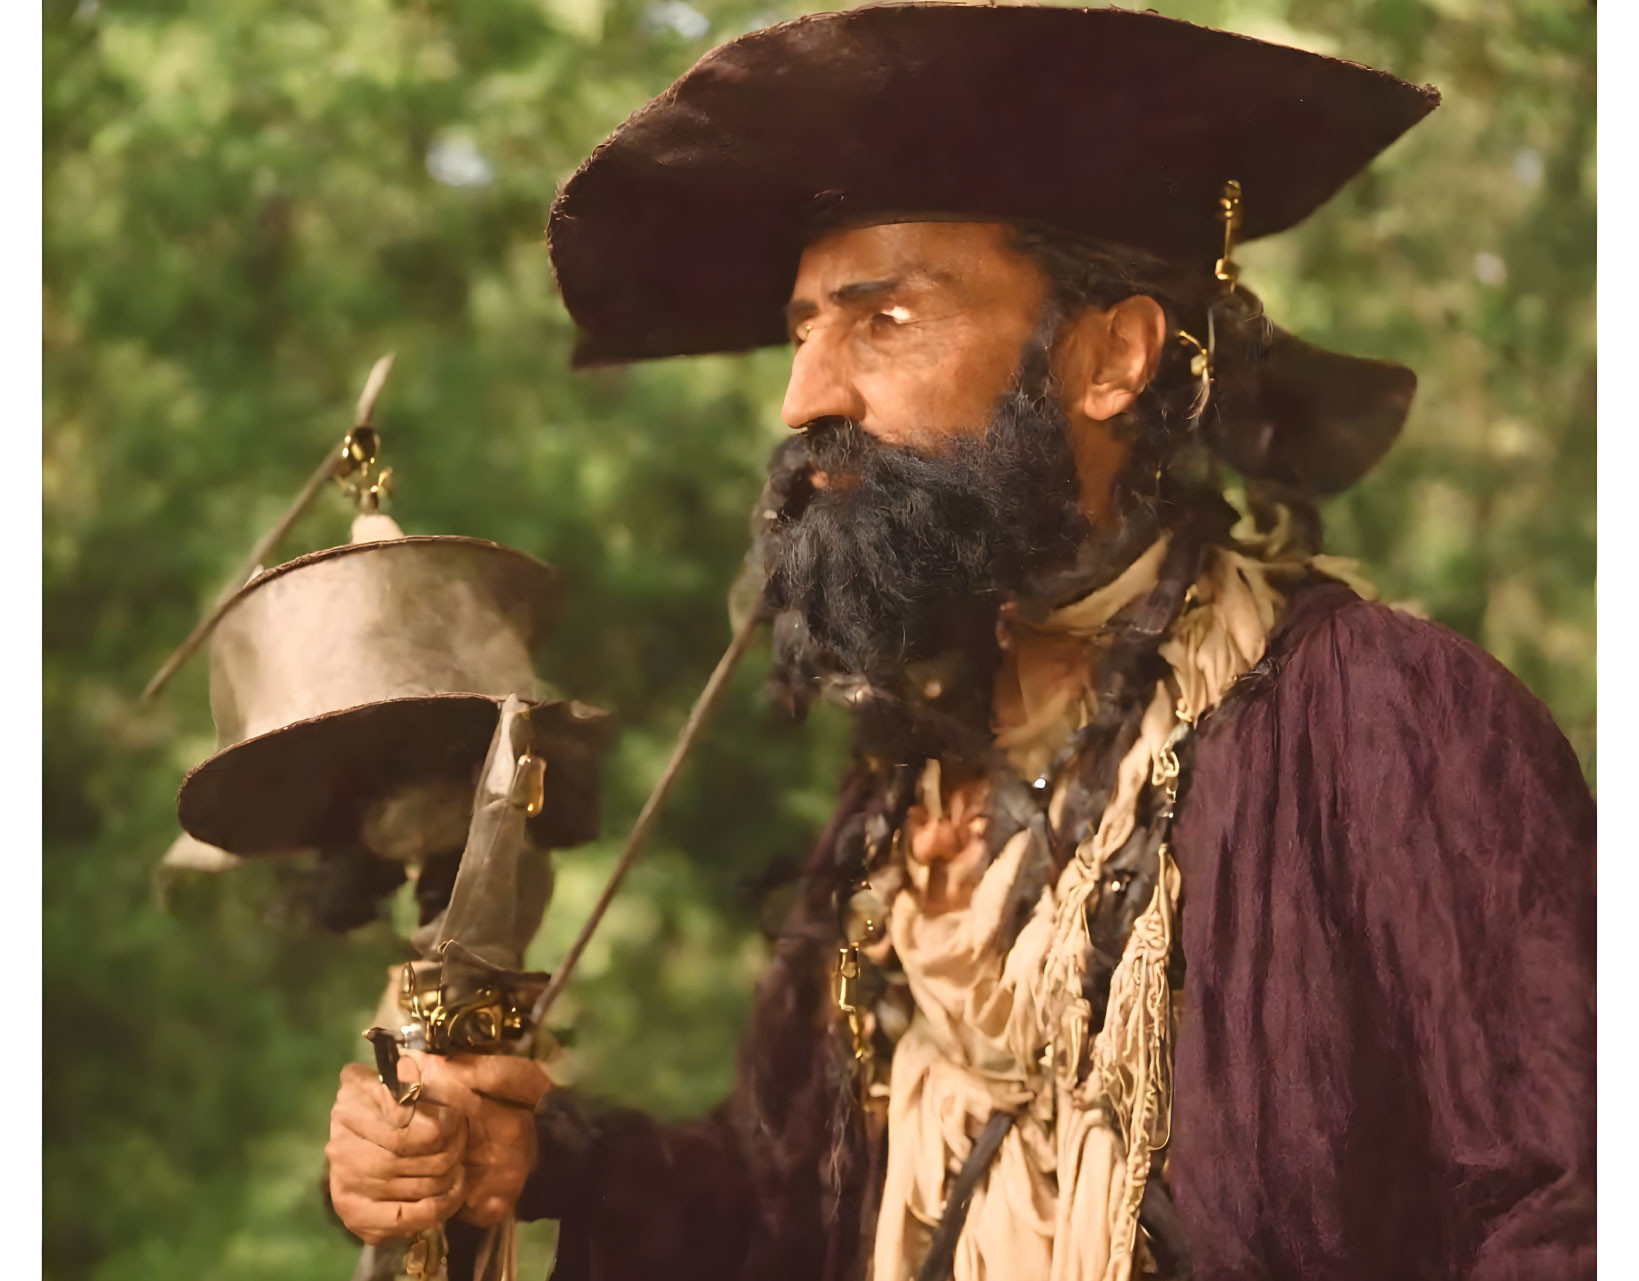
x=903 y=556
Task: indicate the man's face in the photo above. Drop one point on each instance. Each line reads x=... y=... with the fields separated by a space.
x=942 y=471
x=910 y=330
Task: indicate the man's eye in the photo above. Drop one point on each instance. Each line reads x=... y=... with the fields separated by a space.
x=891 y=318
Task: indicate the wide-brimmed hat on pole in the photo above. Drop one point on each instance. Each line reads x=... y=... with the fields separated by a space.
x=351 y=679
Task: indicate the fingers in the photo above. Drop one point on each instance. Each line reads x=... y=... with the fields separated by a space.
x=409 y=1073
x=377 y=1221
x=501 y=1152
x=498 y=1093
x=501 y=1138
x=467 y=1145
x=430 y=1128
x=494 y=1179
x=394 y=1170
x=372 y=1172
x=356 y=1075
x=363 y=1107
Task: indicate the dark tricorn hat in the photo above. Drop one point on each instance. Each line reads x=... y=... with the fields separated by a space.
x=681 y=233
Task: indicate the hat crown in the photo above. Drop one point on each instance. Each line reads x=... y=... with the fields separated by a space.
x=355 y=692
x=681 y=233
x=372 y=621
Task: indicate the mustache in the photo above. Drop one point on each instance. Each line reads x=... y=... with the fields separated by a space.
x=840 y=449
x=847 y=467
x=887 y=554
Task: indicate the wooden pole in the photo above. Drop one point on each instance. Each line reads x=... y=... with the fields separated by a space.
x=332 y=466
x=698 y=715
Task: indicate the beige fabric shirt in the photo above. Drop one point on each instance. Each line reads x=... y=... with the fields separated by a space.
x=1011 y=1031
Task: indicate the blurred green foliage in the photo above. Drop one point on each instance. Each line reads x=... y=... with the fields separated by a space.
x=248 y=200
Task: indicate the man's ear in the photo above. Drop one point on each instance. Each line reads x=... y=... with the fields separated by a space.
x=1111 y=354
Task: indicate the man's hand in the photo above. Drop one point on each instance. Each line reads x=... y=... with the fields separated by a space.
x=394 y=1171
x=496 y=1094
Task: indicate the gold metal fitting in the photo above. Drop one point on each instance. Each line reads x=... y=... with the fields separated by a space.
x=478 y=1025
x=1200 y=366
x=360 y=452
x=847 y=978
x=847 y=989
x=1165 y=769
x=529 y=784
x=1229 y=213
x=424 y=1260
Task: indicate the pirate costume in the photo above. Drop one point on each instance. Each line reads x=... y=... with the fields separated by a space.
x=1277 y=957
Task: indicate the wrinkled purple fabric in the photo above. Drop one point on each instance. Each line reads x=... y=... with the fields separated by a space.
x=1386 y=1061
x=1385 y=1067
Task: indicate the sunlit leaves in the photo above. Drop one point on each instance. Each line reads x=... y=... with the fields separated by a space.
x=247 y=203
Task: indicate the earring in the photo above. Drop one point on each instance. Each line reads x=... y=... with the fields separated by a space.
x=1200 y=366
x=1228 y=272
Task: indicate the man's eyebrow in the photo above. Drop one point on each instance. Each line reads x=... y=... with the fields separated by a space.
x=799 y=309
x=863 y=289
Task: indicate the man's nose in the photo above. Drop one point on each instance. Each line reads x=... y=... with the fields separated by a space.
x=819 y=388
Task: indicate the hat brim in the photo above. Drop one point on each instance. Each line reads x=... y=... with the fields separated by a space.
x=681 y=233
x=1323 y=419
x=305 y=785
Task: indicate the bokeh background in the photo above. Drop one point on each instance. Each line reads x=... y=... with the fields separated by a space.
x=247 y=201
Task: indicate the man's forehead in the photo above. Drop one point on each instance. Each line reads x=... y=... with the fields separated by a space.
x=955 y=256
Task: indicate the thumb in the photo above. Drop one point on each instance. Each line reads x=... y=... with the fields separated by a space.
x=507 y=1078
x=439 y=1085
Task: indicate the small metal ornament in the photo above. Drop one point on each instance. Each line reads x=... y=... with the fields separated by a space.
x=1227 y=271
x=848 y=1000
x=1200 y=367
x=360 y=452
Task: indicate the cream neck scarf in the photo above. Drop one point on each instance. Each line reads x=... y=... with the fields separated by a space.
x=1013 y=1032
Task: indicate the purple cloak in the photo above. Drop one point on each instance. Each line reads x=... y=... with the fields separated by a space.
x=1385 y=1065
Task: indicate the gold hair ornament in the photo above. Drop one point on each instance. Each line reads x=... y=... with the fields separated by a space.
x=1200 y=365
x=1226 y=269
x=1228 y=272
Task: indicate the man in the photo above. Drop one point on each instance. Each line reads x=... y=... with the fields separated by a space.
x=1185 y=912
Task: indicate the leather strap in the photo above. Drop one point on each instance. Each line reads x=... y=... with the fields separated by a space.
x=941 y=1256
